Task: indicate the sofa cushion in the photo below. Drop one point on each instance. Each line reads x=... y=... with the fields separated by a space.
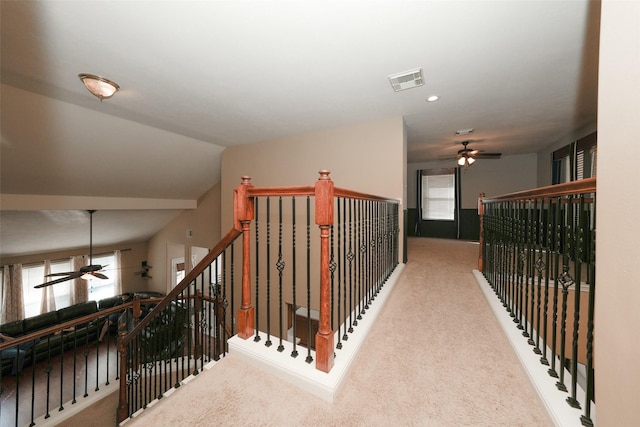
x=12 y=329
x=149 y=294
x=77 y=310
x=113 y=301
x=41 y=321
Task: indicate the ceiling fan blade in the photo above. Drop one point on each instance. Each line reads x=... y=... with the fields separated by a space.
x=63 y=279
x=90 y=268
x=99 y=275
x=60 y=274
x=487 y=155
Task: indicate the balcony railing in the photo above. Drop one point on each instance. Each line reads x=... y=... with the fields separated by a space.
x=46 y=372
x=537 y=251
x=287 y=282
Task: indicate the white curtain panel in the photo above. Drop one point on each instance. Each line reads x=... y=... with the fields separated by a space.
x=12 y=299
x=117 y=256
x=48 y=301
x=79 y=287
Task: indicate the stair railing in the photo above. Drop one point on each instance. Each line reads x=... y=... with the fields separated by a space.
x=357 y=248
x=537 y=251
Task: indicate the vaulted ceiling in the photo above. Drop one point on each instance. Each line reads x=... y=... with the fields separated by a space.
x=199 y=76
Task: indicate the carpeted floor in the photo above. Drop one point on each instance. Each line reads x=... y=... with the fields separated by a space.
x=435 y=357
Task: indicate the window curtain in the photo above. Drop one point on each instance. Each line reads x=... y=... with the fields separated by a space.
x=117 y=269
x=418 y=226
x=79 y=286
x=48 y=300
x=12 y=299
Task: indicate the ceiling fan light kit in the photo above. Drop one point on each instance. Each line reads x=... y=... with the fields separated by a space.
x=467 y=157
x=100 y=87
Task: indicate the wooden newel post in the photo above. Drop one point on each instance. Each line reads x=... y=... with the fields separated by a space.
x=324 y=218
x=244 y=213
x=481 y=237
x=123 y=408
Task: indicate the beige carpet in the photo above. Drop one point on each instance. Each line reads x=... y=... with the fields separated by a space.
x=435 y=357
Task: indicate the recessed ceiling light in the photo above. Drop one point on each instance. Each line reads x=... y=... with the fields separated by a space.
x=464 y=131
x=433 y=98
x=406 y=80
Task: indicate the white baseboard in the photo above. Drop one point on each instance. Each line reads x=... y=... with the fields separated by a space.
x=303 y=374
x=554 y=400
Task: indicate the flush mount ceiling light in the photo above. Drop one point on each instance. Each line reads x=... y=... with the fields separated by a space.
x=99 y=86
x=433 y=98
x=406 y=80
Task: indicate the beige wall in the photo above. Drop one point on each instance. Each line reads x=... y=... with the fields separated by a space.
x=491 y=176
x=617 y=336
x=204 y=222
x=367 y=157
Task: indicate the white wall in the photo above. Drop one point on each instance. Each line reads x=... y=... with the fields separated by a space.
x=617 y=335
x=490 y=176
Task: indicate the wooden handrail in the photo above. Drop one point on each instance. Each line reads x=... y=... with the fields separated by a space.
x=310 y=191
x=582 y=186
x=350 y=194
x=189 y=277
x=574 y=187
x=72 y=323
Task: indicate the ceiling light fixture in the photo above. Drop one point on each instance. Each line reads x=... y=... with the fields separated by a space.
x=99 y=86
x=433 y=98
x=466 y=161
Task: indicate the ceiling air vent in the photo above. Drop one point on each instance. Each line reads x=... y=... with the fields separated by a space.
x=406 y=80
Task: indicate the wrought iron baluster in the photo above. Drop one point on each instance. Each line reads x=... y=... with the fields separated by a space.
x=589 y=397
x=539 y=268
x=280 y=265
x=350 y=257
x=268 y=342
x=530 y=278
x=232 y=288
x=340 y=271
x=548 y=212
x=332 y=270
x=257 y=337
x=557 y=245
x=360 y=269
x=566 y=281
x=577 y=224
x=347 y=273
x=294 y=352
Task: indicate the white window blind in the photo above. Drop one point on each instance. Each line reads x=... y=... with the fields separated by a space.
x=438 y=197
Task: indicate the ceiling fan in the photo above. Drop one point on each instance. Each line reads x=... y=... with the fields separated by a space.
x=466 y=157
x=84 y=272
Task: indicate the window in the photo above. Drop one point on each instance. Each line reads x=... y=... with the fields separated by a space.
x=103 y=288
x=33 y=275
x=438 y=195
x=575 y=161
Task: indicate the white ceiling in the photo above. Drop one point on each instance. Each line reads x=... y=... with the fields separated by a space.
x=197 y=77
